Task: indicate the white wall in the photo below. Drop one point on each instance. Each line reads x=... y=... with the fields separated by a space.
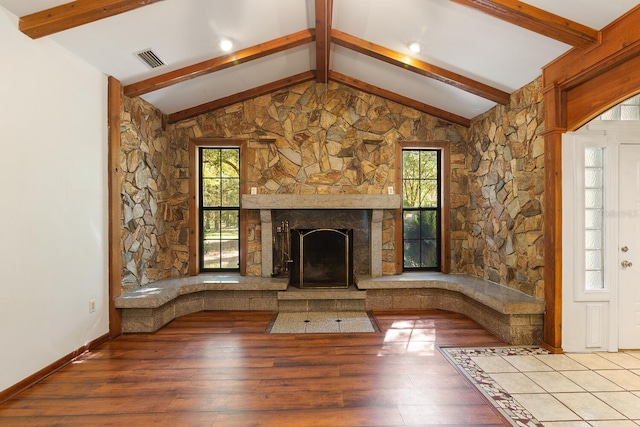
x=53 y=203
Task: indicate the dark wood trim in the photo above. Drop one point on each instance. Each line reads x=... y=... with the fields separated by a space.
x=555 y=113
x=577 y=87
x=244 y=189
x=220 y=63
x=620 y=42
x=399 y=261
x=74 y=14
x=114 y=178
x=402 y=100
x=445 y=148
x=445 y=220
x=324 y=12
x=601 y=92
x=553 y=240
x=241 y=96
x=538 y=21
x=307 y=76
x=50 y=369
x=194 y=224
x=419 y=67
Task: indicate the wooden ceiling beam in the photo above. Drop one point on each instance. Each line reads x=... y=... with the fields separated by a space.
x=241 y=96
x=537 y=20
x=402 y=100
x=420 y=67
x=324 y=13
x=220 y=63
x=74 y=14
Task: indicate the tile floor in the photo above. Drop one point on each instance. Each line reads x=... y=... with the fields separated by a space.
x=534 y=388
x=322 y=322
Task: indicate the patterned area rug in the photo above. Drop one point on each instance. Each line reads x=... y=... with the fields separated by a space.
x=312 y=322
x=463 y=360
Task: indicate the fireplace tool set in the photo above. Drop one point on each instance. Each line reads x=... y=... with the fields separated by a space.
x=281 y=250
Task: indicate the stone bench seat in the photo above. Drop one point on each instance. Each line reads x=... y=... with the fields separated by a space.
x=513 y=316
x=150 y=307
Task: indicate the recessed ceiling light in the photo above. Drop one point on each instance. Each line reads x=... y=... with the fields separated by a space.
x=226 y=45
x=414 y=47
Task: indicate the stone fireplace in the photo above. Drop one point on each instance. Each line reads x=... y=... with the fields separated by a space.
x=361 y=213
x=357 y=220
x=321 y=258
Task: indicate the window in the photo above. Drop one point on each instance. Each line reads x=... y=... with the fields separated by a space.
x=626 y=110
x=593 y=215
x=421 y=211
x=219 y=209
x=589 y=245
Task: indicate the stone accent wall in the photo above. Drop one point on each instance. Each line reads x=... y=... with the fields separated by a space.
x=319 y=139
x=497 y=195
x=332 y=139
x=154 y=198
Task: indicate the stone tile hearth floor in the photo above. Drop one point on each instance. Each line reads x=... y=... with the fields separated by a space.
x=531 y=387
x=310 y=322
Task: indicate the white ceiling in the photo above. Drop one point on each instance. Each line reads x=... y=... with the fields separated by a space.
x=455 y=37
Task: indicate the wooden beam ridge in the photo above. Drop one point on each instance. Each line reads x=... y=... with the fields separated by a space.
x=220 y=63
x=324 y=11
x=420 y=67
x=620 y=43
x=400 y=99
x=241 y=96
x=74 y=14
x=537 y=20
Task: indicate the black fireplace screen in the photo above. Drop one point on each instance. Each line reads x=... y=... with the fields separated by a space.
x=321 y=258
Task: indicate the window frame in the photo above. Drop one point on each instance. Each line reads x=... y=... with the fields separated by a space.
x=573 y=238
x=195 y=230
x=444 y=148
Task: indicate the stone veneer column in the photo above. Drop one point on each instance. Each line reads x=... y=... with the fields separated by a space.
x=376 y=242
x=267 y=242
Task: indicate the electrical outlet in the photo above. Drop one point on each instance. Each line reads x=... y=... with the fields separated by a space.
x=92 y=306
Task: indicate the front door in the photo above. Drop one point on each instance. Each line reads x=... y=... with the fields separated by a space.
x=601 y=270
x=629 y=250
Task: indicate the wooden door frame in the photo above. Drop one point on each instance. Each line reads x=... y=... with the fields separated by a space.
x=578 y=86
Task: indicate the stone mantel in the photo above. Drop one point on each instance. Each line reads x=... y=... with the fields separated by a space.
x=268 y=202
x=321 y=201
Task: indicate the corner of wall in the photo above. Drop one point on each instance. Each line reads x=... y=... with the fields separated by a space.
x=497 y=194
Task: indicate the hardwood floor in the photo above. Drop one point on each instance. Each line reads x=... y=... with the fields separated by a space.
x=221 y=369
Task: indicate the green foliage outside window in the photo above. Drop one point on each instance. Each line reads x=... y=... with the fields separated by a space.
x=220 y=177
x=421 y=209
x=220 y=202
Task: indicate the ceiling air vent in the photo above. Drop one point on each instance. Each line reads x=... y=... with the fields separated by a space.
x=150 y=58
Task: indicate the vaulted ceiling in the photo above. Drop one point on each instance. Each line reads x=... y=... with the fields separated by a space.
x=474 y=52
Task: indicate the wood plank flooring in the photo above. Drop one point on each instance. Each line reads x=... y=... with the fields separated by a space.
x=221 y=369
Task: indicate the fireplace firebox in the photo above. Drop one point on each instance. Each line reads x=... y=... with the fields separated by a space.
x=321 y=258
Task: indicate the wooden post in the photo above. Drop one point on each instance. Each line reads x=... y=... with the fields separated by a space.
x=115 y=204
